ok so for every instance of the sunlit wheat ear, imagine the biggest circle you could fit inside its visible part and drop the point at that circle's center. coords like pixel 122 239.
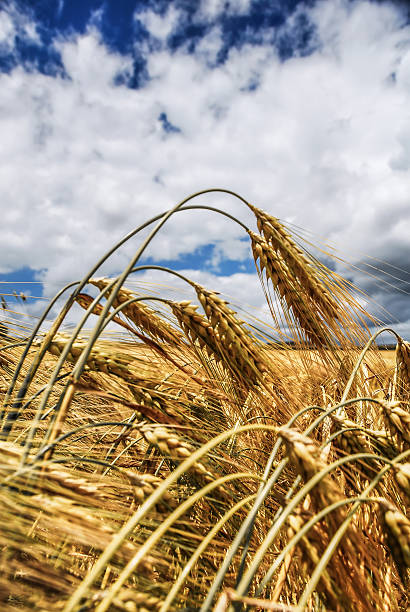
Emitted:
pixel 221 334
pixel 196 327
pixel 85 301
pixel 171 445
pixel 312 279
pixel 397 529
pixel 291 294
pixel 403 370
pixel 145 484
pixel 233 335
pixel 328 294
pixel 402 477
pixel 298 263
pixel 305 455
pixel 397 421
pixel 313 553
pixel 98 360
pixel 384 444
pixel 351 439
pixel 139 313
pixel 61 477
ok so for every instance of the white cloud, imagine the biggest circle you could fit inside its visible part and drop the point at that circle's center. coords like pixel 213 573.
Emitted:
pixel 13 23
pixel 30 32
pixel 319 140
pixel 90 65
pixel 210 9
pixel 7 31
pixel 159 26
pixel 210 46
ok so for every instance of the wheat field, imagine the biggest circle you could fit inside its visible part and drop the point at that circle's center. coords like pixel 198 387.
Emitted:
pixel 192 461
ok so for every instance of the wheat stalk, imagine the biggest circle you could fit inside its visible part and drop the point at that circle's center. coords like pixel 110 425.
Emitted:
pixel 139 313
pixel 402 477
pixel 291 292
pixel 236 341
pixel 298 263
pixel 98 359
pixel 397 529
pixel 402 390
pixel 397 420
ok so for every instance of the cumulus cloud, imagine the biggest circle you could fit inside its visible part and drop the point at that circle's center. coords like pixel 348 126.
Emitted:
pixel 159 26
pixel 210 9
pixel 319 140
pixel 7 31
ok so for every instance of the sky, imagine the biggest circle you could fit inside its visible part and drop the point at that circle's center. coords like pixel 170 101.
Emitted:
pixel 113 111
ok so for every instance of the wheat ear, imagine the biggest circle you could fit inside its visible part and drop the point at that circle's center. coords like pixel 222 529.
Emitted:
pixel 171 445
pixel 296 523
pixel 402 390
pixel 397 529
pixel 289 290
pixel 139 313
pixel 98 360
pixel 145 484
pixel 305 455
pixel 397 420
pixel 298 263
pixel 351 438
pixel 236 341
pixel 402 477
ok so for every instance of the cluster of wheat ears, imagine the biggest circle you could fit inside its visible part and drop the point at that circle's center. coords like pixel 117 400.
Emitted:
pixel 196 465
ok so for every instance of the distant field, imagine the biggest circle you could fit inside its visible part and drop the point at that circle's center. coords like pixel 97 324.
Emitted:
pixel 389 357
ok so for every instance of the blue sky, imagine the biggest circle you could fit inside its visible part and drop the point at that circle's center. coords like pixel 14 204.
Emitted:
pixel 113 111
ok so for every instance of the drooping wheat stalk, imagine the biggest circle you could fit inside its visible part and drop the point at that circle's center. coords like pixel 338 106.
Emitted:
pixel 402 390
pixel 300 266
pixel 402 477
pixel 305 455
pixel 123 486
pixel 290 291
pixel 397 529
pixel 397 420
pixel 239 347
pixel 312 296
pixel 139 313
pixel 312 547
pixel 98 360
